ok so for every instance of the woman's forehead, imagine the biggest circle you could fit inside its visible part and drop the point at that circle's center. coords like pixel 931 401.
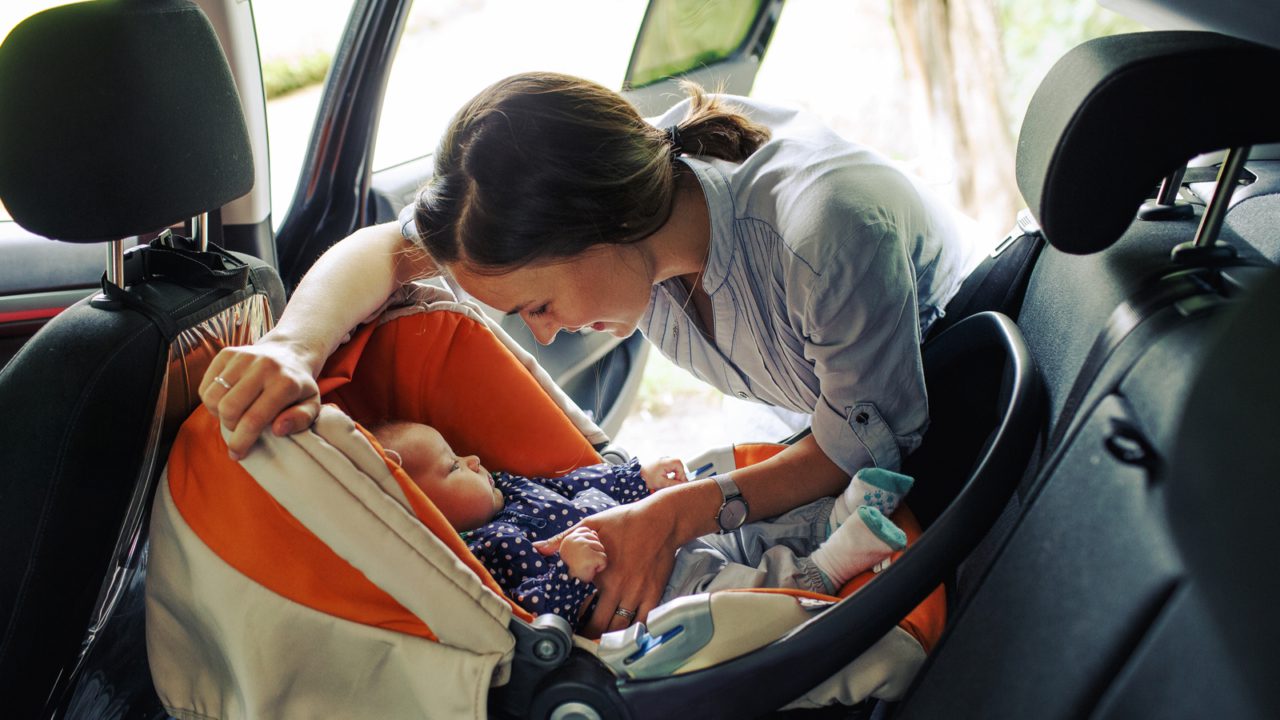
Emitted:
pixel 518 289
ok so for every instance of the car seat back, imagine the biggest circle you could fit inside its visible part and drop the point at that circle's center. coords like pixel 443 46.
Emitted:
pixel 1084 604
pixel 117 119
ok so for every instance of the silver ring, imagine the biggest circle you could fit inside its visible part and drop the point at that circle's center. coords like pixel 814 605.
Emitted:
pixel 222 381
pixel 626 614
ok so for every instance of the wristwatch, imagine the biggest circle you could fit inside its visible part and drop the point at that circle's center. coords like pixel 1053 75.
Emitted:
pixel 733 511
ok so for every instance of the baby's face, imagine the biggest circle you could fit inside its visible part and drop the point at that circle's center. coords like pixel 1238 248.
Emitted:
pixel 459 486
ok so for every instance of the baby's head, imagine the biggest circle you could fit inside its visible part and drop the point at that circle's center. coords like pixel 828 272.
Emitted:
pixel 459 486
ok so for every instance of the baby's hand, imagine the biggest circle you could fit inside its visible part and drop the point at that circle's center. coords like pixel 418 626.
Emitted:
pixel 583 553
pixel 663 473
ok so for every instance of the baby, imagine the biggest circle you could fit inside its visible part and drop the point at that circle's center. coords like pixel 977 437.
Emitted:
pixel 815 547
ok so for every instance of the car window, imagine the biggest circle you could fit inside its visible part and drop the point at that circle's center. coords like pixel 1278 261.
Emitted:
pixel 296 40
pixel 680 35
pixel 451 50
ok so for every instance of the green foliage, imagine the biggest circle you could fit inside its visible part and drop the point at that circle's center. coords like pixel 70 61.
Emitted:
pixel 1036 34
pixel 283 76
pixel 681 35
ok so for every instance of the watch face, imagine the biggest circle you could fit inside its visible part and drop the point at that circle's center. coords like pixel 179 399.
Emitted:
pixel 733 514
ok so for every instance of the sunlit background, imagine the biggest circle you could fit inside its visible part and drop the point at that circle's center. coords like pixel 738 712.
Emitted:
pixel 840 59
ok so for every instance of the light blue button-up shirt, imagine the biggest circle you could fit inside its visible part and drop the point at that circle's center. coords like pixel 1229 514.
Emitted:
pixel 825 263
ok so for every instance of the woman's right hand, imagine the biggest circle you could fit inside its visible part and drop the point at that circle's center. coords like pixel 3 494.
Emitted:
pixel 272 383
pixel 251 387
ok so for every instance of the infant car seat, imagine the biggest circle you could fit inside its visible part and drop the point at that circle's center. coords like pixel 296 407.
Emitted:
pixel 315 579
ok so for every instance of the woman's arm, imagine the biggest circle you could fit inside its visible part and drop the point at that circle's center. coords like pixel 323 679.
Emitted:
pixel 641 538
pixel 273 381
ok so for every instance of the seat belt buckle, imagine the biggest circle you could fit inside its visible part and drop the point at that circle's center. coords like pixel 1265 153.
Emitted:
pixel 1024 225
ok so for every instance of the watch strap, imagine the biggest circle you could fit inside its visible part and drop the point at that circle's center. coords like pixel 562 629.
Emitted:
pixel 728 488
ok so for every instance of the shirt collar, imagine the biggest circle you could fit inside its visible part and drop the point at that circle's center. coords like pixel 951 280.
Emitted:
pixel 721 213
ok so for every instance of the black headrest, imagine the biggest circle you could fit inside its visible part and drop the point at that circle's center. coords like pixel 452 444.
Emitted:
pixel 1118 113
pixel 118 117
pixel 1223 494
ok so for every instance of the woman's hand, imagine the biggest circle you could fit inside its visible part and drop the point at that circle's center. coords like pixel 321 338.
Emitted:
pixel 663 473
pixel 641 540
pixel 582 551
pixel 251 387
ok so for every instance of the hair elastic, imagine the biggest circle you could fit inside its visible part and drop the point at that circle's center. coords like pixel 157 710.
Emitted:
pixel 673 137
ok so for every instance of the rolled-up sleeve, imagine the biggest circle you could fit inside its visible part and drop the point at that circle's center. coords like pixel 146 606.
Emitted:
pixel 861 332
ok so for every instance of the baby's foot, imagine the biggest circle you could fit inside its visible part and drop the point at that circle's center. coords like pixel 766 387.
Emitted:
pixel 880 488
pixel 857 545
pixel 876 487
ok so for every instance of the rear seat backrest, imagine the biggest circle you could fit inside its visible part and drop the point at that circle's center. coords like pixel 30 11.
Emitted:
pixel 117 118
pixel 1088 607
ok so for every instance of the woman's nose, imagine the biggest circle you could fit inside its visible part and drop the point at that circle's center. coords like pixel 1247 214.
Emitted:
pixel 544 331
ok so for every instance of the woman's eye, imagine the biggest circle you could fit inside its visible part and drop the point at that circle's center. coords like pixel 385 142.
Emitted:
pixel 539 311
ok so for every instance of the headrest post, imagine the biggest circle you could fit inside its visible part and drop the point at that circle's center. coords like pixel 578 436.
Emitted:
pixel 1224 188
pixel 1167 206
pixel 1169 187
pixel 200 231
pixel 115 263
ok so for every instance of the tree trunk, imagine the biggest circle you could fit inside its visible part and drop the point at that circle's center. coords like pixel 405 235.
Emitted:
pixel 955 71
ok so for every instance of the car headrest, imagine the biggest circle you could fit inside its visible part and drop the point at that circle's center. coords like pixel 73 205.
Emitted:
pixel 1118 113
pixel 118 117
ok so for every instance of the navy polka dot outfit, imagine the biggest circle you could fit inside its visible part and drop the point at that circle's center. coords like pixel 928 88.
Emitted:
pixel 537 509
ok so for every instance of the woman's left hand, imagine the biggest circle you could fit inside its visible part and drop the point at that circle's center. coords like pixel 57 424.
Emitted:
pixel 640 539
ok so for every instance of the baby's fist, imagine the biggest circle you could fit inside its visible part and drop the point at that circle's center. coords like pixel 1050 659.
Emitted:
pixel 583 553
pixel 663 473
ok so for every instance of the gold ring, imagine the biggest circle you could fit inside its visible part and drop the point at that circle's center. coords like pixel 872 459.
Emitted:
pixel 222 381
pixel 626 614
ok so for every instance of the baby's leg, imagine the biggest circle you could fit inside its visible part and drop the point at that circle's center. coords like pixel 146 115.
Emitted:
pixel 858 544
pixel 767 553
pixel 876 487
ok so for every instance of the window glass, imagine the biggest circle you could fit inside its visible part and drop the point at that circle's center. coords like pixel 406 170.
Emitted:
pixel 453 49
pixel 296 41
pixel 680 35
pixel 844 61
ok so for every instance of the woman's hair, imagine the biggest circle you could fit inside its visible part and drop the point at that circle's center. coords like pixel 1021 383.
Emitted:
pixel 541 166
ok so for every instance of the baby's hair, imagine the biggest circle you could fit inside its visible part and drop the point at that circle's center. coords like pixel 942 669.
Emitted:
pixel 542 166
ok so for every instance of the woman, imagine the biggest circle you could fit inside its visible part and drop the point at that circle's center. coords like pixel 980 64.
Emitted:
pixel 754 247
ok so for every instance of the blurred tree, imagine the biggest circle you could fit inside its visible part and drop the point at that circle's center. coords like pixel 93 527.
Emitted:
pixel 971 67
pixel 954 62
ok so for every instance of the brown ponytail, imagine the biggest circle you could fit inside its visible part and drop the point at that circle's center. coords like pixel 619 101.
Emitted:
pixel 713 128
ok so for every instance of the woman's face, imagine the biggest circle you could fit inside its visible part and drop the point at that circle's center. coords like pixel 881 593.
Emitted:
pixel 605 288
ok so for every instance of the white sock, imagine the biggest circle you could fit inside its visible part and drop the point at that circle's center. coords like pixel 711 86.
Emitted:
pixel 879 488
pixel 857 545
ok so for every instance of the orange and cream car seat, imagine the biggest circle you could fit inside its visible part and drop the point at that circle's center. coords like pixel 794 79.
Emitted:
pixel 314 579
